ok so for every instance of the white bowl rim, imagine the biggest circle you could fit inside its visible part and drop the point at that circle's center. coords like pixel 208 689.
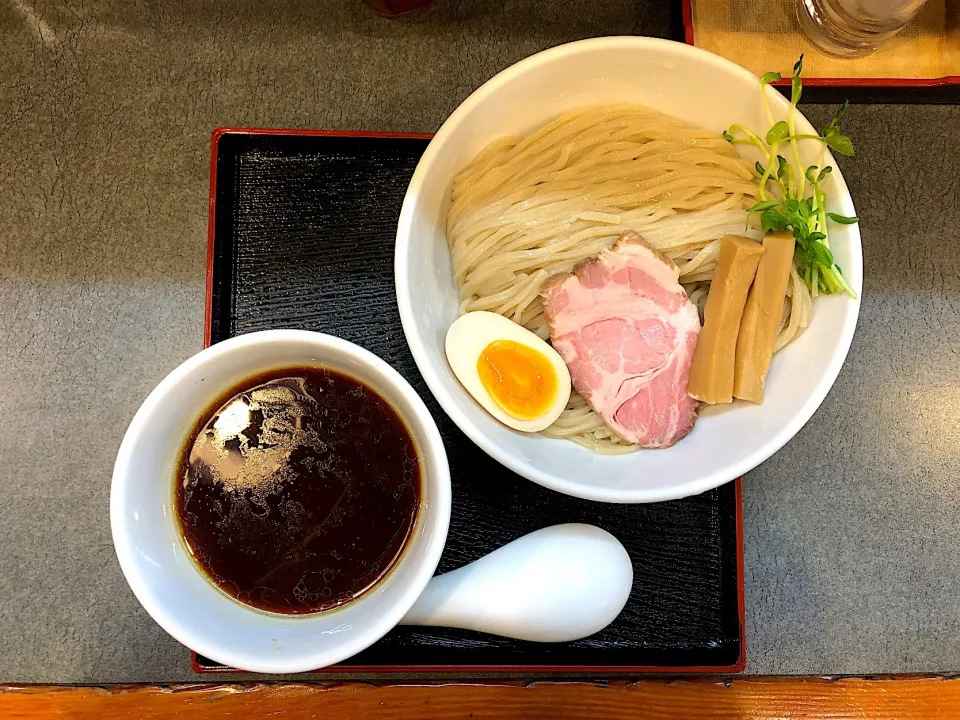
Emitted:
pixel 130 565
pixel 712 479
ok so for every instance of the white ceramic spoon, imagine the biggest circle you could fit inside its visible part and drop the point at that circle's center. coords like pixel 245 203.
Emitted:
pixel 557 584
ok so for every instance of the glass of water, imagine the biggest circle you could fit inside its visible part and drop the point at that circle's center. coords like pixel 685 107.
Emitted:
pixel 850 28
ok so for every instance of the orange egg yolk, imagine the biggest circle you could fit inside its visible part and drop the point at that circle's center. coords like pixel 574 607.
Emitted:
pixel 521 380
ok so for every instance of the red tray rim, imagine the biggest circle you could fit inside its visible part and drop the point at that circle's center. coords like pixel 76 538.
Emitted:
pixel 347 669
pixel 945 81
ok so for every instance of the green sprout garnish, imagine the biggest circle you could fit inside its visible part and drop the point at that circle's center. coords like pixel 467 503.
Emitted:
pixel 794 199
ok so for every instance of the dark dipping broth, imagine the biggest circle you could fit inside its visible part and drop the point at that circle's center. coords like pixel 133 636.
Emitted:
pixel 298 489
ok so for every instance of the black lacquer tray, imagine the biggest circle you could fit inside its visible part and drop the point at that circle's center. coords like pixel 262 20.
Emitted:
pixel 302 228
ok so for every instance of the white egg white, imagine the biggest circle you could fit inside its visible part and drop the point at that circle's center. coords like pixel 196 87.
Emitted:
pixel 466 340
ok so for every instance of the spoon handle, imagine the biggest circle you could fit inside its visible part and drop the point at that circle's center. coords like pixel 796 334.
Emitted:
pixel 557 584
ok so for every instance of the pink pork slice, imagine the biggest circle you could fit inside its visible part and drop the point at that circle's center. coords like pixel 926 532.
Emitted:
pixel 626 330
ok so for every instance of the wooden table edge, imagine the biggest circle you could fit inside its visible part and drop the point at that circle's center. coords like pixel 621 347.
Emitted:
pixel 744 698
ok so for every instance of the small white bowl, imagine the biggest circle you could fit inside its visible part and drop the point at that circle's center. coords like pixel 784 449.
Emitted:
pixel 700 89
pixel 154 557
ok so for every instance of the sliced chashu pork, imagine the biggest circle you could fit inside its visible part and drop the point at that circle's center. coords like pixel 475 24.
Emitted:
pixel 627 330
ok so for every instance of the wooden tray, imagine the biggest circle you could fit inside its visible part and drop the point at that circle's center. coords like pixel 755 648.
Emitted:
pixel 925 55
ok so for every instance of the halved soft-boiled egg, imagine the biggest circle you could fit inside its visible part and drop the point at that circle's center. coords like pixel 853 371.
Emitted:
pixel 512 373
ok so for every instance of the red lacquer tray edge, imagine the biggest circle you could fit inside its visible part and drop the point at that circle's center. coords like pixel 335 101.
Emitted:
pixel 737 667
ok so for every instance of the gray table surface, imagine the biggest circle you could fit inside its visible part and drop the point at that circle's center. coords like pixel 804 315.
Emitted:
pixel 106 108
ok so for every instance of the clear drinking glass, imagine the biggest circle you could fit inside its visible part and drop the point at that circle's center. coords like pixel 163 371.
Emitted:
pixel 850 28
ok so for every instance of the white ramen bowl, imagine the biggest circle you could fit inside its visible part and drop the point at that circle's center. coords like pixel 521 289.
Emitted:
pixel 698 88
pixel 154 557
